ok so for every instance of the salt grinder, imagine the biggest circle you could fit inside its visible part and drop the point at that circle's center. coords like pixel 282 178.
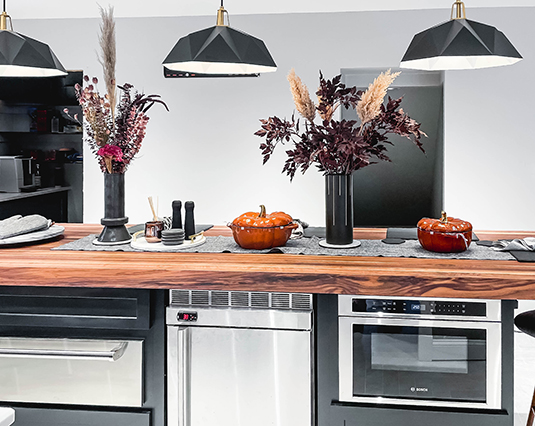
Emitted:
pixel 177 215
pixel 189 227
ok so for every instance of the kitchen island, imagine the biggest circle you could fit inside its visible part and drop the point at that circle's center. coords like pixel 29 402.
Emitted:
pixel 38 265
pixel 121 296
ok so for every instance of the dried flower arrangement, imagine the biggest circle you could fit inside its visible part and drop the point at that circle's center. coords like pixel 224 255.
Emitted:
pixel 338 147
pixel 113 132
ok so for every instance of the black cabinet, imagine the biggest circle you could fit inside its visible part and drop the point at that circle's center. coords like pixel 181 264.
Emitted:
pixel 51 203
pixel 57 417
pixel 82 315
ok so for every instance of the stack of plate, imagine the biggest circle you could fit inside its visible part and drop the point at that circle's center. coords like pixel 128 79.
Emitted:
pixel 172 237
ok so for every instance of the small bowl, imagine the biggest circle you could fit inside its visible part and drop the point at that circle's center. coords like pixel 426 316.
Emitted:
pixel 258 238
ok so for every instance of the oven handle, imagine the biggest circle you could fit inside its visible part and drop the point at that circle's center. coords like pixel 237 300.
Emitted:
pixel 112 355
pixel 179 375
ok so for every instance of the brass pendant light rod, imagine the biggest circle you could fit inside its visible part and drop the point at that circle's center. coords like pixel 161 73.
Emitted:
pixel 221 17
pixel 457 10
pixel 3 19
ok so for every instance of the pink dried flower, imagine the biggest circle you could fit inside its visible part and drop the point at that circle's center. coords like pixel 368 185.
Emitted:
pixel 111 151
pixel 95 80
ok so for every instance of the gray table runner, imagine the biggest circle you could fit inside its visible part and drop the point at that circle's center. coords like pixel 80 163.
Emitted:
pixel 310 246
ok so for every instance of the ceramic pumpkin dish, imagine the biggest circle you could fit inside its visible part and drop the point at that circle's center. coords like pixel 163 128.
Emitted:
pixel 253 230
pixel 444 235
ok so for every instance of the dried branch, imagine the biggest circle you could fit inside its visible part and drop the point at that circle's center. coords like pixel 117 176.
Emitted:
pixel 302 100
pixel 341 147
pixel 108 56
pixel 370 103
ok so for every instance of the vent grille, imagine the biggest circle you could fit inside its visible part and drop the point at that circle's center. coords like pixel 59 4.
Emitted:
pixel 280 300
pixel 200 297
pixel 301 301
pixel 180 297
pixel 260 300
pixel 220 298
pixel 241 299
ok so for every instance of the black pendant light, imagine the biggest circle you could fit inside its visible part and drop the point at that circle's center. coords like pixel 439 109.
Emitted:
pixel 22 56
pixel 459 44
pixel 219 51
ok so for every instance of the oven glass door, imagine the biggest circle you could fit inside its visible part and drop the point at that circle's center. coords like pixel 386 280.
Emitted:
pixel 411 361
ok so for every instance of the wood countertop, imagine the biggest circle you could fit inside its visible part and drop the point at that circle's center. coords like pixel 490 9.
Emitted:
pixel 37 265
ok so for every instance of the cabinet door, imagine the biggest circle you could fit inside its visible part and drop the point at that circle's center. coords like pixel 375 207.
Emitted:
pixel 69 371
pixel 75 308
pixel 55 417
pixel 239 377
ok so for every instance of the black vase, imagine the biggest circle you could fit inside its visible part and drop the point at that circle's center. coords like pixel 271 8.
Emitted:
pixel 114 220
pixel 339 212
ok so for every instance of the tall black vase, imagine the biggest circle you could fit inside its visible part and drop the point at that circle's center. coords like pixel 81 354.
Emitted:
pixel 114 220
pixel 339 212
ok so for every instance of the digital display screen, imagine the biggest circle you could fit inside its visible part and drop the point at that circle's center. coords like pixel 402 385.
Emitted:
pixel 418 307
pixel 187 316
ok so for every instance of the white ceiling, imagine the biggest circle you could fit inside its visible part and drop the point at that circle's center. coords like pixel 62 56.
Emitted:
pixel 35 9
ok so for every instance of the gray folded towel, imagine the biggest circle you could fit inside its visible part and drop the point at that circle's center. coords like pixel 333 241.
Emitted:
pixel 18 225
pixel 526 244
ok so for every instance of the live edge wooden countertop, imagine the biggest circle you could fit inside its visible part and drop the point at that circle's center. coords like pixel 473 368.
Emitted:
pixel 37 265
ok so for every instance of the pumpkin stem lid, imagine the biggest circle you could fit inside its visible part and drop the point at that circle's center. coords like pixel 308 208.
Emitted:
pixel 444 218
pixel 262 211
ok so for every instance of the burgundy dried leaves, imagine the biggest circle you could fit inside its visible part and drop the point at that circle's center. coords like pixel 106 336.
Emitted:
pixel 339 147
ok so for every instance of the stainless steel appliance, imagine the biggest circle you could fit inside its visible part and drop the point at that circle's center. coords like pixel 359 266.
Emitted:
pixel 427 352
pixel 16 174
pixel 71 371
pixel 239 358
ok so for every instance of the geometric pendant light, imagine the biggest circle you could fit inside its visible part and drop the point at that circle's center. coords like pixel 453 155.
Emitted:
pixel 219 51
pixel 22 56
pixel 459 44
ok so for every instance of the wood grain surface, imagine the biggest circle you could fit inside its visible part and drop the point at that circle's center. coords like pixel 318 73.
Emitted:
pixel 37 265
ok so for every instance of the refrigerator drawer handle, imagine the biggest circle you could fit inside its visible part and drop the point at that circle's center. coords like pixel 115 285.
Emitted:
pixel 111 355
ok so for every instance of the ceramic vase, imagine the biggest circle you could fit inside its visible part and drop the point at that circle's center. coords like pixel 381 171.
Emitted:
pixel 114 219
pixel 339 212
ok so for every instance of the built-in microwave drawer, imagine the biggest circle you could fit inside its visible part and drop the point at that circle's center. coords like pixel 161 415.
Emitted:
pixel 71 371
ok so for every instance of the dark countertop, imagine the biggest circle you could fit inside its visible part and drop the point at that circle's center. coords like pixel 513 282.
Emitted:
pixel 10 196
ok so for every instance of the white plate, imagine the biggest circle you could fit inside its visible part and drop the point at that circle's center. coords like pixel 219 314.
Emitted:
pixel 33 237
pixel 141 244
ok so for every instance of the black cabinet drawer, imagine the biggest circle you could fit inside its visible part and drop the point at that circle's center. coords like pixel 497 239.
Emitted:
pixel 75 307
pixel 58 417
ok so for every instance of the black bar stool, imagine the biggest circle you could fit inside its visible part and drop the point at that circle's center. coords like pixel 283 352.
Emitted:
pixel 526 323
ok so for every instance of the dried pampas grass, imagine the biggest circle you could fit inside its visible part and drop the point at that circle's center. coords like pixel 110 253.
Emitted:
pixel 370 103
pixel 302 100
pixel 108 56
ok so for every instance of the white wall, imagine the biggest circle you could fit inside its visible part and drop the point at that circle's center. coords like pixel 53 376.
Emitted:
pixel 204 149
pixel 39 9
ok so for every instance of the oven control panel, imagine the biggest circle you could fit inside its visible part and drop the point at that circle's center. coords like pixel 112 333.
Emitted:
pixel 419 307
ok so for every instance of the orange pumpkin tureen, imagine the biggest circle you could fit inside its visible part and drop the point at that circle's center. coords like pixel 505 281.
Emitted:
pixel 253 230
pixel 444 235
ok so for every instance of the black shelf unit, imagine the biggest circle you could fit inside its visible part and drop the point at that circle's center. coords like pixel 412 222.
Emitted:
pixel 27 107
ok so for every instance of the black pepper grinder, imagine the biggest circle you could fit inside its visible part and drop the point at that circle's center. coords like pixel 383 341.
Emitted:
pixel 177 214
pixel 189 227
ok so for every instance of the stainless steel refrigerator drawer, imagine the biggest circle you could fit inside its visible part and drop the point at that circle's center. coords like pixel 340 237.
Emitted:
pixel 71 371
